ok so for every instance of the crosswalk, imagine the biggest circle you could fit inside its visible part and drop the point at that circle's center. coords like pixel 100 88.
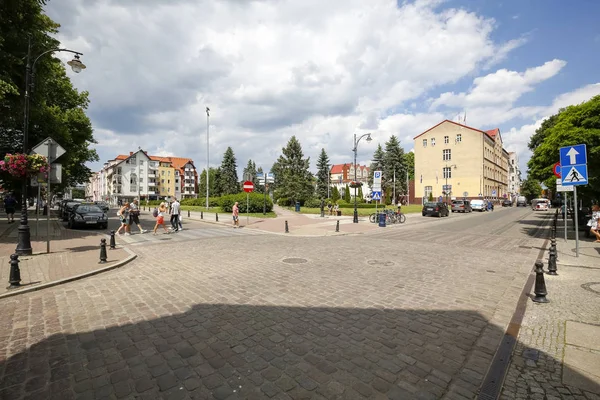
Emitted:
pixel 137 239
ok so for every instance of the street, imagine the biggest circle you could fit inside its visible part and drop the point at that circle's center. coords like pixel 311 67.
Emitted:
pixel 413 311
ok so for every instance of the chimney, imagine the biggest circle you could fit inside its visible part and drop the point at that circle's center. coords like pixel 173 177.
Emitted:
pixel 131 153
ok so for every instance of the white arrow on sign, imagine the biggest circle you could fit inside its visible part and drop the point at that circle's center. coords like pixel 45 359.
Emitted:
pixel 572 153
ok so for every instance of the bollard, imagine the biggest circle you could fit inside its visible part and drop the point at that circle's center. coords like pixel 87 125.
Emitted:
pixel 217 216
pixel 188 213
pixel 15 273
pixel 103 256
pixel 113 245
pixel 286 227
pixel 540 283
pixel 337 226
pixel 201 214
pixel 553 246
pixel 552 261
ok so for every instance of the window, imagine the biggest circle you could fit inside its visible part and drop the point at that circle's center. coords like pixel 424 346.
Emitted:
pixel 432 141
pixel 446 139
pixel 446 155
pixel 162 173
pixel 428 191
pixel 162 181
pixel 141 162
pixel 447 172
pixel 458 138
pixel 141 180
pixel 424 142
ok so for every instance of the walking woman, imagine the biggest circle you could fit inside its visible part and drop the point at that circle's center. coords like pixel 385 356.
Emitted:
pixel 123 214
pixel 160 218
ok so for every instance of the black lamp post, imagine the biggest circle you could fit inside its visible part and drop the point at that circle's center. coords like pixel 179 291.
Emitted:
pixel 355 149
pixel 24 238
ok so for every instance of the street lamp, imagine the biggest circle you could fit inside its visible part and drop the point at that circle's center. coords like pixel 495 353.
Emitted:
pixel 24 235
pixel 447 172
pixel 355 149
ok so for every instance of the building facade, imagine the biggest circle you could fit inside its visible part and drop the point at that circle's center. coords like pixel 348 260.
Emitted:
pixel 514 175
pixel 457 161
pixel 342 174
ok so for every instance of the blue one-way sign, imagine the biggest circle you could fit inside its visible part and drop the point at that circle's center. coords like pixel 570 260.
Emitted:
pixel 573 165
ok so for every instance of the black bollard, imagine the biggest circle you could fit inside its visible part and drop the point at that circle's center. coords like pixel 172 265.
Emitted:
pixel 337 226
pixel 201 214
pixel 188 213
pixel 552 261
pixel 540 283
pixel 15 273
pixel 217 217
pixel 113 245
pixel 286 227
pixel 553 246
pixel 103 256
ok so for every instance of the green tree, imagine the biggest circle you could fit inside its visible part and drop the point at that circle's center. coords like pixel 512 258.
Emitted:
pixel 572 125
pixel 77 193
pixel 228 178
pixel 249 174
pixel 377 164
pixel 531 188
pixel 57 110
pixel 213 183
pixel 360 194
pixel 323 177
pixel 347 193
pixel 409 163
pixel 335 194
pixel 295 179
pixel 393 165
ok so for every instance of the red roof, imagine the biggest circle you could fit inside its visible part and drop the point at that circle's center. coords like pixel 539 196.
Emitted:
pixel 464 126
pixel 177 162
pixel 493 132
pixel 339 168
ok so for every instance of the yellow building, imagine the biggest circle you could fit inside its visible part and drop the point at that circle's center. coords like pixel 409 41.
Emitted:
pixel 166 179
pixel 465 161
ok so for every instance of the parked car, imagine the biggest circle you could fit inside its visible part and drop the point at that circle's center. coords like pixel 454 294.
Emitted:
pixel 521 201
pixel 540 206
pixel 507 203
pixel 478 205
pixel 435 210
pixel 103 205
pixel 88 215
pixel 67 207
pixel 461 206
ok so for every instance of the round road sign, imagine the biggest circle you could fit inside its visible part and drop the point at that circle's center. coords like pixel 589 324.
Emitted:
pixel 248 186
pixel 465 194
pixel 556 170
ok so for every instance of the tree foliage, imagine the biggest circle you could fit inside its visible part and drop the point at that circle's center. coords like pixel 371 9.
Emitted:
pixel 228 178
pixel 347 193
pixel 213 183
pixel 531 188
pixel 57 110
pixel 293 178
pixel 323 176
pixel 335 194
pixel 409 163
pixel 393 165
pixel 377 164
pixel 575 124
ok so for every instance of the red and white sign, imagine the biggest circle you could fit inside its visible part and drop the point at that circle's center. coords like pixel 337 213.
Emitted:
pixel 556 170
pixel 248 186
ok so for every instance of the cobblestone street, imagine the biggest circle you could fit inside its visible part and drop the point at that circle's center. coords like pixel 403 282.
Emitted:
pixel 407 313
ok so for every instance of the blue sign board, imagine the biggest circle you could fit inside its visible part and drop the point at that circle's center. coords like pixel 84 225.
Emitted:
pixel 376 195
pixel 573 165
pixel 377 174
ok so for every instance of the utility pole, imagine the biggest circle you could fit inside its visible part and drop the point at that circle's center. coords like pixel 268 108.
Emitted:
pixel 207 151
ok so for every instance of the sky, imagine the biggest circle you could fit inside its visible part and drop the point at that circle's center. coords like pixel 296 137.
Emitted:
pixel 323 71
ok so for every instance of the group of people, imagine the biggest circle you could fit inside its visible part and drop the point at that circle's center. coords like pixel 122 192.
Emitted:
pixel 129 214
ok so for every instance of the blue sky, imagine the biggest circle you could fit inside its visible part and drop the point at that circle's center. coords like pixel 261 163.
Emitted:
pixel 323 71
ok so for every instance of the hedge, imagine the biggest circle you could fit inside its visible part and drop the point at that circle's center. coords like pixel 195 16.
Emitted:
pixel 256 202
pixel 201 202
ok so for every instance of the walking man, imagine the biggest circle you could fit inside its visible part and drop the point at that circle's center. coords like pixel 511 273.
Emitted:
pixel 175 215
pixel 236 215
pixel 9 207
pixel 134 216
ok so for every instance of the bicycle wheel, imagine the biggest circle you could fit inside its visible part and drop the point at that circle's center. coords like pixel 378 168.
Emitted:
pixel 402 218
pixel 373 218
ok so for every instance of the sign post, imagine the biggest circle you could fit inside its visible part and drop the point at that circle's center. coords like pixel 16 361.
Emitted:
pixel 573 172
pixel 376 189
pixel 248 188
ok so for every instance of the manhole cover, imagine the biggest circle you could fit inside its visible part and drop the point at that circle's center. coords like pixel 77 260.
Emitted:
pixel 593 287
pixel 295 260
pixel 382 263
pixel 490 271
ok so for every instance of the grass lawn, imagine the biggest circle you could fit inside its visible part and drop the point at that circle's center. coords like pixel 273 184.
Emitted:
pixel 220 211
pixel 363 212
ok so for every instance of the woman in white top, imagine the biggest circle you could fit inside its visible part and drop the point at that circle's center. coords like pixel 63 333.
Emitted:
pixel 594 221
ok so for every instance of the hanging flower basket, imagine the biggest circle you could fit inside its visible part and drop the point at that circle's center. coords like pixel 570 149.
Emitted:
pixel 24 165
pixel 355 184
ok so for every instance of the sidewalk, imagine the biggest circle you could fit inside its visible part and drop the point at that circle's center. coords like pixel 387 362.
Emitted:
pixel 558 350
pixel 73 255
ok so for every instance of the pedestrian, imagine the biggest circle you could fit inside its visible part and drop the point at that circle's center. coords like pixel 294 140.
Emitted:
pixel 9 207
pixel 236 215
pixel 329 207
pixel 175 215
pixel 160 217
pixel 134 216
pixel 593 223
pixel 123 215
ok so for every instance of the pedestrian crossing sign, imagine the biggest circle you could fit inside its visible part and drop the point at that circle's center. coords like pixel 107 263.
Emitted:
pixel 574 175
pixel 376 195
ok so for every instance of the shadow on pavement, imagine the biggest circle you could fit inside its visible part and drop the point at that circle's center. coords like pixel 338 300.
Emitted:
pixel 244 352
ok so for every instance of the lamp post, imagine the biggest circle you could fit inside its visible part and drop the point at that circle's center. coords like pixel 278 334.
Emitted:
pixel 24 235
pixel 328 182
pixel 207 151
pixel 447 172
pixel 355 149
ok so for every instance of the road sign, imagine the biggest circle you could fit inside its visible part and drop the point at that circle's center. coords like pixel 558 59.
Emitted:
pixel 446 187
pixel 376 195
pixel 465 194
pixel 49 149
pixel 248 186
pixel 556 170
pixel 574 175
pixel 573 155
pixel 377 181
pixel 561 188
pixel 493 192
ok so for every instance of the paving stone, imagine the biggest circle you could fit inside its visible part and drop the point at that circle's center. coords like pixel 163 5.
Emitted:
pixel 144 384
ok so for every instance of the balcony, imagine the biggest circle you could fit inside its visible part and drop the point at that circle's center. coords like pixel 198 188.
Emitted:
pixel 151 174
pixel 191 185
pixel 189 170
pixel 151 184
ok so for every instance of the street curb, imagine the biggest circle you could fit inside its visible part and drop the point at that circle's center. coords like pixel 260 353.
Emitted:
pixel 132 256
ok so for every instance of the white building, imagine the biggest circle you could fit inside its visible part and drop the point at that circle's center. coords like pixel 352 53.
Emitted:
pixel 514 175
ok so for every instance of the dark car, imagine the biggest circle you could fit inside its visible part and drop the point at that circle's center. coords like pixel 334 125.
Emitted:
pixel 88 215
pixel 103 205
pixel 507 203
pixel 461 206
pixel 67 208
pixel 435 210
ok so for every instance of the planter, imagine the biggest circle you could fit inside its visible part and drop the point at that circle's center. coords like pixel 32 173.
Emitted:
pixel 24 165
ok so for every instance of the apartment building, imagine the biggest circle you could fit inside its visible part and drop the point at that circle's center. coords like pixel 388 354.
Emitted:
pixel 514 175
pixel 453 160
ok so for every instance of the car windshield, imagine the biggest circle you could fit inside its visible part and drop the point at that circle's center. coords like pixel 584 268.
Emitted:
pixel 88 209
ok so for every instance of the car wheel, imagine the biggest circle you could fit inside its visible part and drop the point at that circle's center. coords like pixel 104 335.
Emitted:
pixel 423 214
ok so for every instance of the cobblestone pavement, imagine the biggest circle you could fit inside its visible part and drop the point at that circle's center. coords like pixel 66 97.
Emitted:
pixel 255 317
